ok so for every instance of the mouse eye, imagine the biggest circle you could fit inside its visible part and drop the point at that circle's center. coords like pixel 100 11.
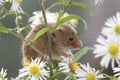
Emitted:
pixel 70 38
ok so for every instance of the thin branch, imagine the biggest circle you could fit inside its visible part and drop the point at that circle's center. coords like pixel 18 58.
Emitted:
pixel 21 38
pixel 43 11
pixel 62 13
pixel 48 35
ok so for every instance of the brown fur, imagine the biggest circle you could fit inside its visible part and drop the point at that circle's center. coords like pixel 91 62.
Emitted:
pixel 59 40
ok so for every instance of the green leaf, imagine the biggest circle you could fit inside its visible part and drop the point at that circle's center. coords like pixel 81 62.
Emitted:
pixel 64 20
pixel 10 12
pixel 39 33
pixel 59 74
pixel 14 12
pixel 114 79
pixel 3 29
pixel 85 23
pixel 1 11
pixel 80 53
pixel 83 5
pixel 111 77
pixel 27 27
pixel 68 18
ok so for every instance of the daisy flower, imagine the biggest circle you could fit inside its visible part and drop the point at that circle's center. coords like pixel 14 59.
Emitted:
pixel 116 70
pixel 3 74
pixel 86 72
pixel 108 49
pixel 67 65
pixel 51 18
pixel 98 1
pixel 34 71
pixel 16 6
pixel 112 26
pixel 38 18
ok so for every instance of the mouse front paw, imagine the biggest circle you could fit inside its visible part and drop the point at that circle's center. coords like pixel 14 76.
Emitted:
pixel 69 54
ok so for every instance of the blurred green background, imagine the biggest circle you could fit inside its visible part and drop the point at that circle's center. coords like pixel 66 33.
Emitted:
pixel 10 46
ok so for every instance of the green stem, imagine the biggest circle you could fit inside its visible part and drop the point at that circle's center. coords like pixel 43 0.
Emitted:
pixel 21 38
pixel 48 35
pixel 19 33
pixel 13 33
pixel 3 17
pixel 63 11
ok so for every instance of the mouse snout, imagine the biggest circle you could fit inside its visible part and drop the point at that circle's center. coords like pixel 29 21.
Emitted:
pixel 77 44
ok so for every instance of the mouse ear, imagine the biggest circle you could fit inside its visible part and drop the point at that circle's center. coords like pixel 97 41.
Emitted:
pixel 57 32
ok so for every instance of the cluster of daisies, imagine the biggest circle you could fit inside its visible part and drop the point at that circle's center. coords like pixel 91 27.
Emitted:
pixel 38 70
pixel 51 17
pixel 108 46
pixel 15 5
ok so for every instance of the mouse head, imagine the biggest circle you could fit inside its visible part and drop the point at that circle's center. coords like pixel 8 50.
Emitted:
pixel 66 37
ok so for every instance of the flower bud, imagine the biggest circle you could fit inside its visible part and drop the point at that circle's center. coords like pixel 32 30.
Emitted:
pixel 18 20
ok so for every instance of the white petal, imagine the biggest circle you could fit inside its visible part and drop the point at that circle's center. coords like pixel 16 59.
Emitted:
pixel 116 69
pixel 117 74
pixel 113 63
pixel 23 74
pixel 118 16
pixel 105 61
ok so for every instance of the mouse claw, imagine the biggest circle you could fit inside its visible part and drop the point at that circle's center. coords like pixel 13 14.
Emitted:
pixel 71 56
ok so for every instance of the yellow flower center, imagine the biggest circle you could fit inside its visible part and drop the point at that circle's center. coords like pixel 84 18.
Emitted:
pixel 34 69
pixel 113 49
pixel 90 76
pixel 117 29
pixel 26 62
pixel 18 1
pixel 74 22
pixel 73 66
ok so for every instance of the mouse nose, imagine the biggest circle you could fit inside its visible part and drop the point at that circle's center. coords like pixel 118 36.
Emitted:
pixel 77 44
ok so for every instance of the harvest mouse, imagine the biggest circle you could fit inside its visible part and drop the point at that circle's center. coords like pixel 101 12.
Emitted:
pixel 63 40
